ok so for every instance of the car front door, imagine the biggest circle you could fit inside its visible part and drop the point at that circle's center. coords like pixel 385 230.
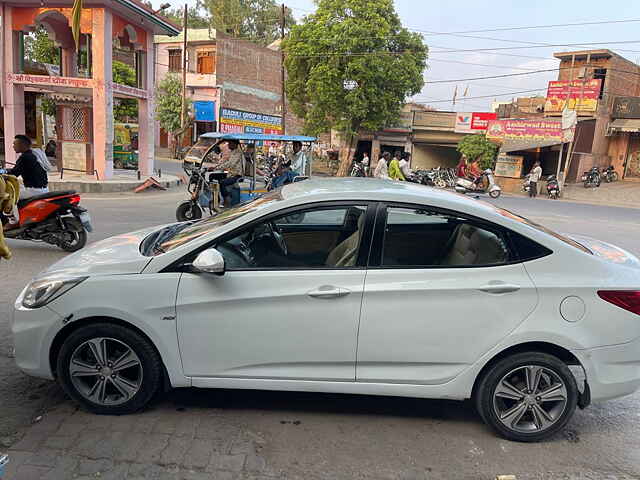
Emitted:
pixel 442 289
pixel 288 304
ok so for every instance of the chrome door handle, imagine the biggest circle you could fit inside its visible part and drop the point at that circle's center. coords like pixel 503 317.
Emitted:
pixel 499 288
pixel 328 292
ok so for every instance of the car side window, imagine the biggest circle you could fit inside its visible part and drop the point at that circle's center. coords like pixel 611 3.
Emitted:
pixel 316 238
pixel 427 238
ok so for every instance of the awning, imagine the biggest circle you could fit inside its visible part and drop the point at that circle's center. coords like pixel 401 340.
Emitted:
pixel 514 145
pixel 625 125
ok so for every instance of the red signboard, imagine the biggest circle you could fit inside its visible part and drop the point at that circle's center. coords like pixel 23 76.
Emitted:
pixel 480 120
pixel 579 95
pixel 525 129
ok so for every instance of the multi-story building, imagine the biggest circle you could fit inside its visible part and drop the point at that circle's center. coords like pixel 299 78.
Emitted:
pixel 235 85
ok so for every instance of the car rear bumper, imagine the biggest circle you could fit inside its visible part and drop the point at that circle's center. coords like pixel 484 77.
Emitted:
pixel 612 371
pixel 32 335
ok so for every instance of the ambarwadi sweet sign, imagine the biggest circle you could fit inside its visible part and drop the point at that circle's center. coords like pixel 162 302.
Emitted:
pixel 581 95
pixel 473 122
pixel 525 129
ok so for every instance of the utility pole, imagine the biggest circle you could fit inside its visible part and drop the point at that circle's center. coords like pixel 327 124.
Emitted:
pixel 577 106
pixel 282 72
pixel 183 112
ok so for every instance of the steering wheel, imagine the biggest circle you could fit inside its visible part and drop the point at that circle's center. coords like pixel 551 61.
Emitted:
pixel 278 238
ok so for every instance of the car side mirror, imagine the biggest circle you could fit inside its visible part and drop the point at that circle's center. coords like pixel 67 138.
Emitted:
pixel 209 261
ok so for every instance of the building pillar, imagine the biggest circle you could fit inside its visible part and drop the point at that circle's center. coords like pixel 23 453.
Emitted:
pixel 13 95
pixel 69 62
pixel 102 93
pixel 375 151
pixel 146 117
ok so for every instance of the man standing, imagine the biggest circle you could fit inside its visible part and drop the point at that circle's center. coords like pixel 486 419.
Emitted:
pixel 382 169
pixel 34 176
pixel 365 163
pixel 534 178
pixel 405 166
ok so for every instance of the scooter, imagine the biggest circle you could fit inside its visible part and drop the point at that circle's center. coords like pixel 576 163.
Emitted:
pixel 55 218
pixel 610 175
pixel 464 185
pixel 357 170
pixel 526 185
pixel 553 187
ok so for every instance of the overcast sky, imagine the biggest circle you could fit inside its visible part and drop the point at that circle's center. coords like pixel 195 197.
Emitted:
pixel 429 16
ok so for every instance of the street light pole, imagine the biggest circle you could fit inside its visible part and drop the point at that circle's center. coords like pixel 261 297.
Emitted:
pixel 183 111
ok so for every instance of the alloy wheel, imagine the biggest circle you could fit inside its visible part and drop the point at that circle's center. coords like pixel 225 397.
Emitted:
pixel 530 399
pixel 106 371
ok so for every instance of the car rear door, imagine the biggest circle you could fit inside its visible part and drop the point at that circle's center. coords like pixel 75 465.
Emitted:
pixel 293 317
pixel 433 306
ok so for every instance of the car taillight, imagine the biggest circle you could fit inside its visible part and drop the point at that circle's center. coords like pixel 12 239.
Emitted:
pixel 74 200
pixel 627 299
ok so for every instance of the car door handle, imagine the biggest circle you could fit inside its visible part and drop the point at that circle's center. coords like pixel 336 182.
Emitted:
pixel 496 288
pixel 328 292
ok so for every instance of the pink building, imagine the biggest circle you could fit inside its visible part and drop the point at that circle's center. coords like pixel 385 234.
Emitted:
pixel 85 125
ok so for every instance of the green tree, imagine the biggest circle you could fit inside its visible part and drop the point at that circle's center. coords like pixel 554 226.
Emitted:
pixel 38 47
pixel 351 65
pixel 169 106
pixel 195 17
pixel 478 147
pixel 124 108
pixel 255 20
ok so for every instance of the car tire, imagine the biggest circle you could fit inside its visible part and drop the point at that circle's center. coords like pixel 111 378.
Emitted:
pixel 111 390
pixel 534 418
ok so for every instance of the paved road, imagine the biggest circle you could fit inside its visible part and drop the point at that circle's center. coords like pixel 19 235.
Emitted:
pixel 244 434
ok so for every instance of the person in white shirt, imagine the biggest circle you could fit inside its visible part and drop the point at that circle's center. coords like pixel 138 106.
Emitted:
pixel 365 164
pixel 534 178
pixel 382 169
pixel 405 167
pixel 299 159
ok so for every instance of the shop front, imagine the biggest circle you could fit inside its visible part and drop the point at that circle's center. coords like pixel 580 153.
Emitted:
pixel 624 141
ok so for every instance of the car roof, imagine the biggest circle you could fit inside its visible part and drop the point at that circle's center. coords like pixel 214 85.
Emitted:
pixel 372 189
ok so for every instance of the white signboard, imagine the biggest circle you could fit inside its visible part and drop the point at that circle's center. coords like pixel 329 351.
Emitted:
pixel 463 122
pixel 74 155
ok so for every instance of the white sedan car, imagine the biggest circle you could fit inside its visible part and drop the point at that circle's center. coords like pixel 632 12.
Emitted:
pixel 344 285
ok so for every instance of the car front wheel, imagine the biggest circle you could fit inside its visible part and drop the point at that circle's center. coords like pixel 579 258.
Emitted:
pixel 109 369
pixel 527 397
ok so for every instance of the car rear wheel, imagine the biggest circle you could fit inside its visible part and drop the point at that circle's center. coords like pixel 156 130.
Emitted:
pixel 527 397
pixel 109 369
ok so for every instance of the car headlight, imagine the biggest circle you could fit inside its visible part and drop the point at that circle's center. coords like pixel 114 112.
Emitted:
pixel 42 291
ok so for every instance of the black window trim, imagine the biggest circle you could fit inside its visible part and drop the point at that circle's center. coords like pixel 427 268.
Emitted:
pixel 183 264
pixel 377 244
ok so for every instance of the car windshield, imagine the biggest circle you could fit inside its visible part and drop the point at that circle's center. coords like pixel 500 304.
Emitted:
pixel 541 228
pixel 178 234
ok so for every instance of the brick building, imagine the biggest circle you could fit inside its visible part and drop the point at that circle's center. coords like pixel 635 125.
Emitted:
pixel 236 85
pixel 595 145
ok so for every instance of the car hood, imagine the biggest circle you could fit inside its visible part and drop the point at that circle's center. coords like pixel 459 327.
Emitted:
pixel 607 251
pixel 115 255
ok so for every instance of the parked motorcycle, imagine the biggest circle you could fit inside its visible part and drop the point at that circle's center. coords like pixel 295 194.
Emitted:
pixel 202 191
pixel 591 178
pixel 464 185
pixel 55 218
pixel 526 185
pixel 610 175
pixel 357 170
pixel 553 187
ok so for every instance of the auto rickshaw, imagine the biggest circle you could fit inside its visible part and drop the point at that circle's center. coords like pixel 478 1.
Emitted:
pixel 203 183
pixel 125 146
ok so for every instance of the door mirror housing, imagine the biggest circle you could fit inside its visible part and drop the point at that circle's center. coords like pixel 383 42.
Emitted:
pixel 209 261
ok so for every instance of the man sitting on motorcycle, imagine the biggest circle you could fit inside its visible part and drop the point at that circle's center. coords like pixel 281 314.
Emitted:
pixel 294 166
pixel 474 173
pixel 34 176
pixel 232 161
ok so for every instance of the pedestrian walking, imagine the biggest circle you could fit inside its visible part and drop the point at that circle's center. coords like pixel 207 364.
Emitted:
pixel 405 164
pixel 534 178
pixel 395 173
pixel 365 164
pixel 382 169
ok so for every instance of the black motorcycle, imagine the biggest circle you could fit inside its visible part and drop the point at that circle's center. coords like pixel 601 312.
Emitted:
pixel 592 178
pixel 357 170
pixel 553 187
pixel 610 175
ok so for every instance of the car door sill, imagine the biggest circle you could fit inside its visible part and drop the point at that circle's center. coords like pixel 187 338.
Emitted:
pixel 350 387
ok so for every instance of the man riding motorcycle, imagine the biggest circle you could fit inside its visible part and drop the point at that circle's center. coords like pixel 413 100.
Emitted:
pixel 33 174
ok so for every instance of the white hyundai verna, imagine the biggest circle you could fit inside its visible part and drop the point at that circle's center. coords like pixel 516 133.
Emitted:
pixel 344 285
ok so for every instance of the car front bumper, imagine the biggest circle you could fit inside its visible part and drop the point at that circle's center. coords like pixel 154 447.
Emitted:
pixel 33 332
pixel 612 371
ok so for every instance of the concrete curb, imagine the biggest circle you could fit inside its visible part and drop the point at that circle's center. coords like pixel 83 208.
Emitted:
pixel 109 186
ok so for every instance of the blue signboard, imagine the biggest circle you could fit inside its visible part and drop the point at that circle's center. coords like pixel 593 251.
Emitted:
pixel 205 111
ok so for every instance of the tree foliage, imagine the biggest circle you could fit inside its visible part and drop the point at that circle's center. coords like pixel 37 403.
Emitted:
pixel 195 17
pixel 478 147
pixel 38 47
pixel 255 20
pixel 124 108
pixel 169 106
pixel 351 65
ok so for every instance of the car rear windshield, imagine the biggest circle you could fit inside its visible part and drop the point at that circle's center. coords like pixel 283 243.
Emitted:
pixel 541 228
pixel 179 234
